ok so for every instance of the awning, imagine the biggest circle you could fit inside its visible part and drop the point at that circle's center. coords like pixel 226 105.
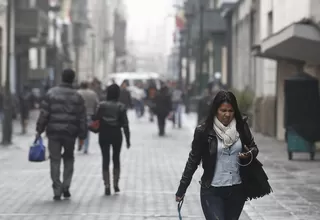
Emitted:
pixel 300 42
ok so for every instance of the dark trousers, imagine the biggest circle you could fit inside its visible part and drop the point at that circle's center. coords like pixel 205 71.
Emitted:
pixel 161 124
pixel 55 146
pixel 113 139
pixel 222 203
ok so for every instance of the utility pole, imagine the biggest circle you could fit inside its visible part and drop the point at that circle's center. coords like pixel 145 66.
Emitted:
pixel 55 9
pixel 77 43
pixel 7 120
pixel 77 59
pixel 93 54
pixel 188 69
pixel 200 74
pixel 181 41
pixel 55 50
pixel 105 40
pixel 105 56
pixel 189 15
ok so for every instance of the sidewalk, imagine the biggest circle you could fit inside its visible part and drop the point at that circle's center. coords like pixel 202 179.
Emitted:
pixel 151 171
pixel 19 140
pixel 149 179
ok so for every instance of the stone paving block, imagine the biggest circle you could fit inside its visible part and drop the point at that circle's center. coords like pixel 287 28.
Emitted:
pixel 150 175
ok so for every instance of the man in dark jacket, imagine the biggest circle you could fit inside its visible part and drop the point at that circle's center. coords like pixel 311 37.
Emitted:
pixel 125 96
pixel 63 116
pixel 162 108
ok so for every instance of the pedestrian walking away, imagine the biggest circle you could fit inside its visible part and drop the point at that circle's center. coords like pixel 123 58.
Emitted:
pixel 91 101
pixel 112 116
pixel 219 143
pixel 63 117
pixel 162 108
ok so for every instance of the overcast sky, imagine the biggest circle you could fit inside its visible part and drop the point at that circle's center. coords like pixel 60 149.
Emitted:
pixel 144 15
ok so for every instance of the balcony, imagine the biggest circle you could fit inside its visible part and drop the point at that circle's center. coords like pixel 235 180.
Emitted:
pixel 31 22
pixel 226 3
pixel 299 41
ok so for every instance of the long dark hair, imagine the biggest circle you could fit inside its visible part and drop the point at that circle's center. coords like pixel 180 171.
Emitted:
pixel 220 98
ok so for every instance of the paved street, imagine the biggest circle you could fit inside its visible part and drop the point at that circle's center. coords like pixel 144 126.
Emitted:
pixel 150 174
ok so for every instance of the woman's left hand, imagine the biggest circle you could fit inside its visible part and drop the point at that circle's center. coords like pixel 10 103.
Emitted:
pixel 244 156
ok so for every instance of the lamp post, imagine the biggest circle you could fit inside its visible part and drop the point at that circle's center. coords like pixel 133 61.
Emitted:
pixel 7 120
pixel 182 45
pixel 201 48
pixel 189 12
pixel 55 9
pixel 93 61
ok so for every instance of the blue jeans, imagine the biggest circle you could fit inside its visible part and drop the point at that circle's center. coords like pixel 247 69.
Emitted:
pixel 139 107
pixel 222 203
pixel 86 141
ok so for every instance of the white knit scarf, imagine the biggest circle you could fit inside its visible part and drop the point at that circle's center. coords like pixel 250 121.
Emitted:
pixel 228 134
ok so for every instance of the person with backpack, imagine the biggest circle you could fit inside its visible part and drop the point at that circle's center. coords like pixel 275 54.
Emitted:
pixel 112 117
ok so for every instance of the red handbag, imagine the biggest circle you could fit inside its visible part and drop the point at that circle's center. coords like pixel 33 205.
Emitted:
pixel 94 126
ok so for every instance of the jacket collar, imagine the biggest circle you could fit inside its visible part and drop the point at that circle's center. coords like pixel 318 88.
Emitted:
pixel 67 85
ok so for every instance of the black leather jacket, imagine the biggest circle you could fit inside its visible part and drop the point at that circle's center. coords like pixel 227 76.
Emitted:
pixel 204 148
pixel 113 114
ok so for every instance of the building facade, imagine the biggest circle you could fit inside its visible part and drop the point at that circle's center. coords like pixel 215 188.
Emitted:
pixel 105 39
pixel 273 40
pixel 249 72
pixel 292 38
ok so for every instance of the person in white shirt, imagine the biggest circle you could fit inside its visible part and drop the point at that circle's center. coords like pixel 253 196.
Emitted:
pixel 177 102
pixel 138 95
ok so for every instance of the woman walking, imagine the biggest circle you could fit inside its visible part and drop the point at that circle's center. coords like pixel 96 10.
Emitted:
pixel 219 143
pixel 112 116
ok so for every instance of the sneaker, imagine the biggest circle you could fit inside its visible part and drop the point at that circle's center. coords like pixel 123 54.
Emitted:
pixel 116 189
pixel 66 194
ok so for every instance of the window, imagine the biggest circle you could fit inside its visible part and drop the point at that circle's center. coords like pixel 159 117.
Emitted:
pixel 253 28
pixel 33 58
pixel 43 57
pixel 32 3
pixel 213 4
pixel 270 23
